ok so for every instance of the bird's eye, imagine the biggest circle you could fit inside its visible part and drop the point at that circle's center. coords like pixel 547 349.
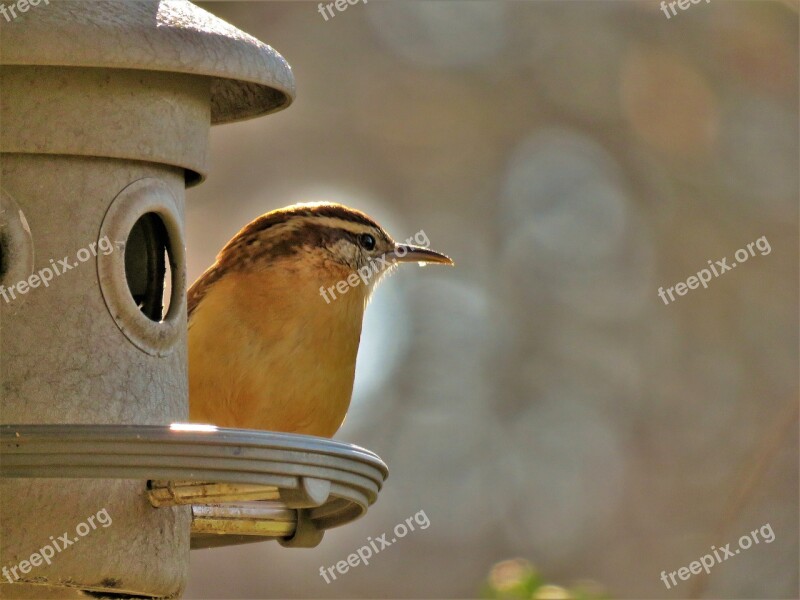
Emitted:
pixel 367 241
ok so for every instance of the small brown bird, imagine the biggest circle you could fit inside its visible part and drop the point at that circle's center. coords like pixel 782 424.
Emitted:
pixel 275 323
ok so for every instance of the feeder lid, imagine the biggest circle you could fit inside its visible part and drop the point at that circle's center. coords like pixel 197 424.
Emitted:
pixel 249 78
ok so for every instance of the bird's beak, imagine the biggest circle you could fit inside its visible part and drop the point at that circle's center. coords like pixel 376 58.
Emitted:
pixel 419 254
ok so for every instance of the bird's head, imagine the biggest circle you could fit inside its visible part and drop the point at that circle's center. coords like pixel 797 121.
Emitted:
pixel 325 242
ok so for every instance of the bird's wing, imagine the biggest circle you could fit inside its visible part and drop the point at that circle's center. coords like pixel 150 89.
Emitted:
pixel 200 287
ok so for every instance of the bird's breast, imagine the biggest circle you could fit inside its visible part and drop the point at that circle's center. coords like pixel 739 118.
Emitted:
pixel 268 352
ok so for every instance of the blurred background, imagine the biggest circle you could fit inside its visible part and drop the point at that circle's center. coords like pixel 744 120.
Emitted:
pixel 540 401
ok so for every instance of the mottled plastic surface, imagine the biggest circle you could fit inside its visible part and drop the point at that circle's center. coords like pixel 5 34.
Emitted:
pixel 94 97
pixel 248 77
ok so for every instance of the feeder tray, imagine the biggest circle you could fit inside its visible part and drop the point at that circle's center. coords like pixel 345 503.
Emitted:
pixel 243 485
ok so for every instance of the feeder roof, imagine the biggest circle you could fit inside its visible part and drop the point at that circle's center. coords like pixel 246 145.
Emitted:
pixel 249 78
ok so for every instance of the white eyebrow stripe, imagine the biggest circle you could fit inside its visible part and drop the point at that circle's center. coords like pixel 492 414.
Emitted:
pixel 334 223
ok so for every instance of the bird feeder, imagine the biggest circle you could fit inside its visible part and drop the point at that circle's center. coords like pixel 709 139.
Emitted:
pixel 105 109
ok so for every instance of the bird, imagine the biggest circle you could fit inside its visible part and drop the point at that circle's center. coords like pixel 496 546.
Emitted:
pixel 275 323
